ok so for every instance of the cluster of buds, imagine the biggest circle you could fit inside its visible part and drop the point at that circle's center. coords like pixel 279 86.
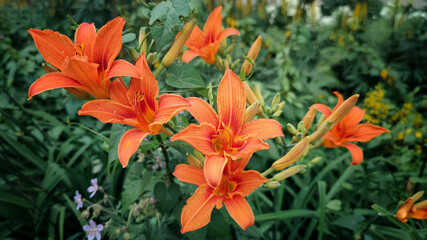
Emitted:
pixel 226 62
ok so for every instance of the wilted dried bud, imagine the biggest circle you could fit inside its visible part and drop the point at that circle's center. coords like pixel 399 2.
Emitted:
pixel 321 131
pixel 179 43
pixel 291 129
pixel 251 112
pixel 96 210
pixel 253 53
pixel 86 214
pixel 289 172
pixel 48 69
pixel 142 41
pixel 271 185
pixel 293 155
pixel 193 161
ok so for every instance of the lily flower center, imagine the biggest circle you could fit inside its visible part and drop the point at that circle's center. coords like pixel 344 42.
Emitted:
pixel 223 142
pixel 225 188
pixel 145 115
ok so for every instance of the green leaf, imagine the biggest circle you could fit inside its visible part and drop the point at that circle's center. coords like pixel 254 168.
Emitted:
pixel 128 37
pixel 162 36
pixel 334 204
pixel 350 222
pixel 166 199
pixel 135 184
pixel 286 214
pixel 183 75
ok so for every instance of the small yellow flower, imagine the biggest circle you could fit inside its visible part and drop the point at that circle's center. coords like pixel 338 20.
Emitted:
pixel 418 134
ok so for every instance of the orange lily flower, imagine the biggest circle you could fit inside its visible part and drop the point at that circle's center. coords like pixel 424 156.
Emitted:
pixel 205 44
pixel 136 106
pixel 348 130
pixel 225 136
pixel 235 185
pixel 85 66
pixel 409 210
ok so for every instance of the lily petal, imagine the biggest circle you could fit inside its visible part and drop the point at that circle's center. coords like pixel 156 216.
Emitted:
pixel 262 128
pixel 198 136
pixel 253 144
pixel 213 168
pixel 129 143
pixel 108 43
pixel 364 132
pixel 325 110
pixel 226 33
pixel 340 99
pixel 169 106
pixel 202 111
pixel 240 211
pixel 248 181
pixel 123 68
pixel 189 174
pixel 213 25
pixel 118 92
pixel 108 111
pixel 189 55
pixel 352 118
pixel 197 212
pixel 231 101
pixel 356 153
pixel 52 81
pixel 84 37
pixel 53 46
pixel 196 39
pixel 208 52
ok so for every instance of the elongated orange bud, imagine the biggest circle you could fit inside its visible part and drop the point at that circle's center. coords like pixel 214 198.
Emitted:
pixel 309 117
pixel 338 114
pixel 178 44
pixel 251 112
pixel 294 154
pixel 250 96
pixel 253 53
pixel 417 196
pixel 193 161
pixel 289 172
pixel 321 131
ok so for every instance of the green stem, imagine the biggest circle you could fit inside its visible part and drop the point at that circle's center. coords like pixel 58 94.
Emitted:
pixel 268 171
pixel 89 129
pixel 420 174
pixel 158 70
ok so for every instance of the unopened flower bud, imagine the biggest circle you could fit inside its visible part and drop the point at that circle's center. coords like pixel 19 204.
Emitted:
pixel 250 96
pixel 316 160
pixel 253 53
pixel 277 113
pixel 267 110
pixel 228 61
pixel 276 99
pixel 291 129
pixel 179 42
pixel 134 54
pixel 251 112
pixel 338 114
pixel 96 210
pixel 199 156
pixel 126 236
pixel 282 105
pixel 289 172
pixel 417 196
pixel 271 185
pixel 235 63
pixel 293 155
pixel 321 131
pixel 278 140
pixel 220 62
pixel 117 231
pixel 230 48
pixel 86 214
pixel 142 41
pixel 193 161
pixel 274 108
pixel 257 92
pixel 151 57
pixel 309 117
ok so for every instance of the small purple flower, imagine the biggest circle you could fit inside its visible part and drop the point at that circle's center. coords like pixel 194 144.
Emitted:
pixel 92 189
pixel 159 162
pixel 93 230
pixel 78 200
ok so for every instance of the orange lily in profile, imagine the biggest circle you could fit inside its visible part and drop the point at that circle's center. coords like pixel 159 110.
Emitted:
pixel 348 130
pixel 410 210
pixel 85 66
pixel 136 106
pixel 234 186
pixel 205 44
pixel 225 136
